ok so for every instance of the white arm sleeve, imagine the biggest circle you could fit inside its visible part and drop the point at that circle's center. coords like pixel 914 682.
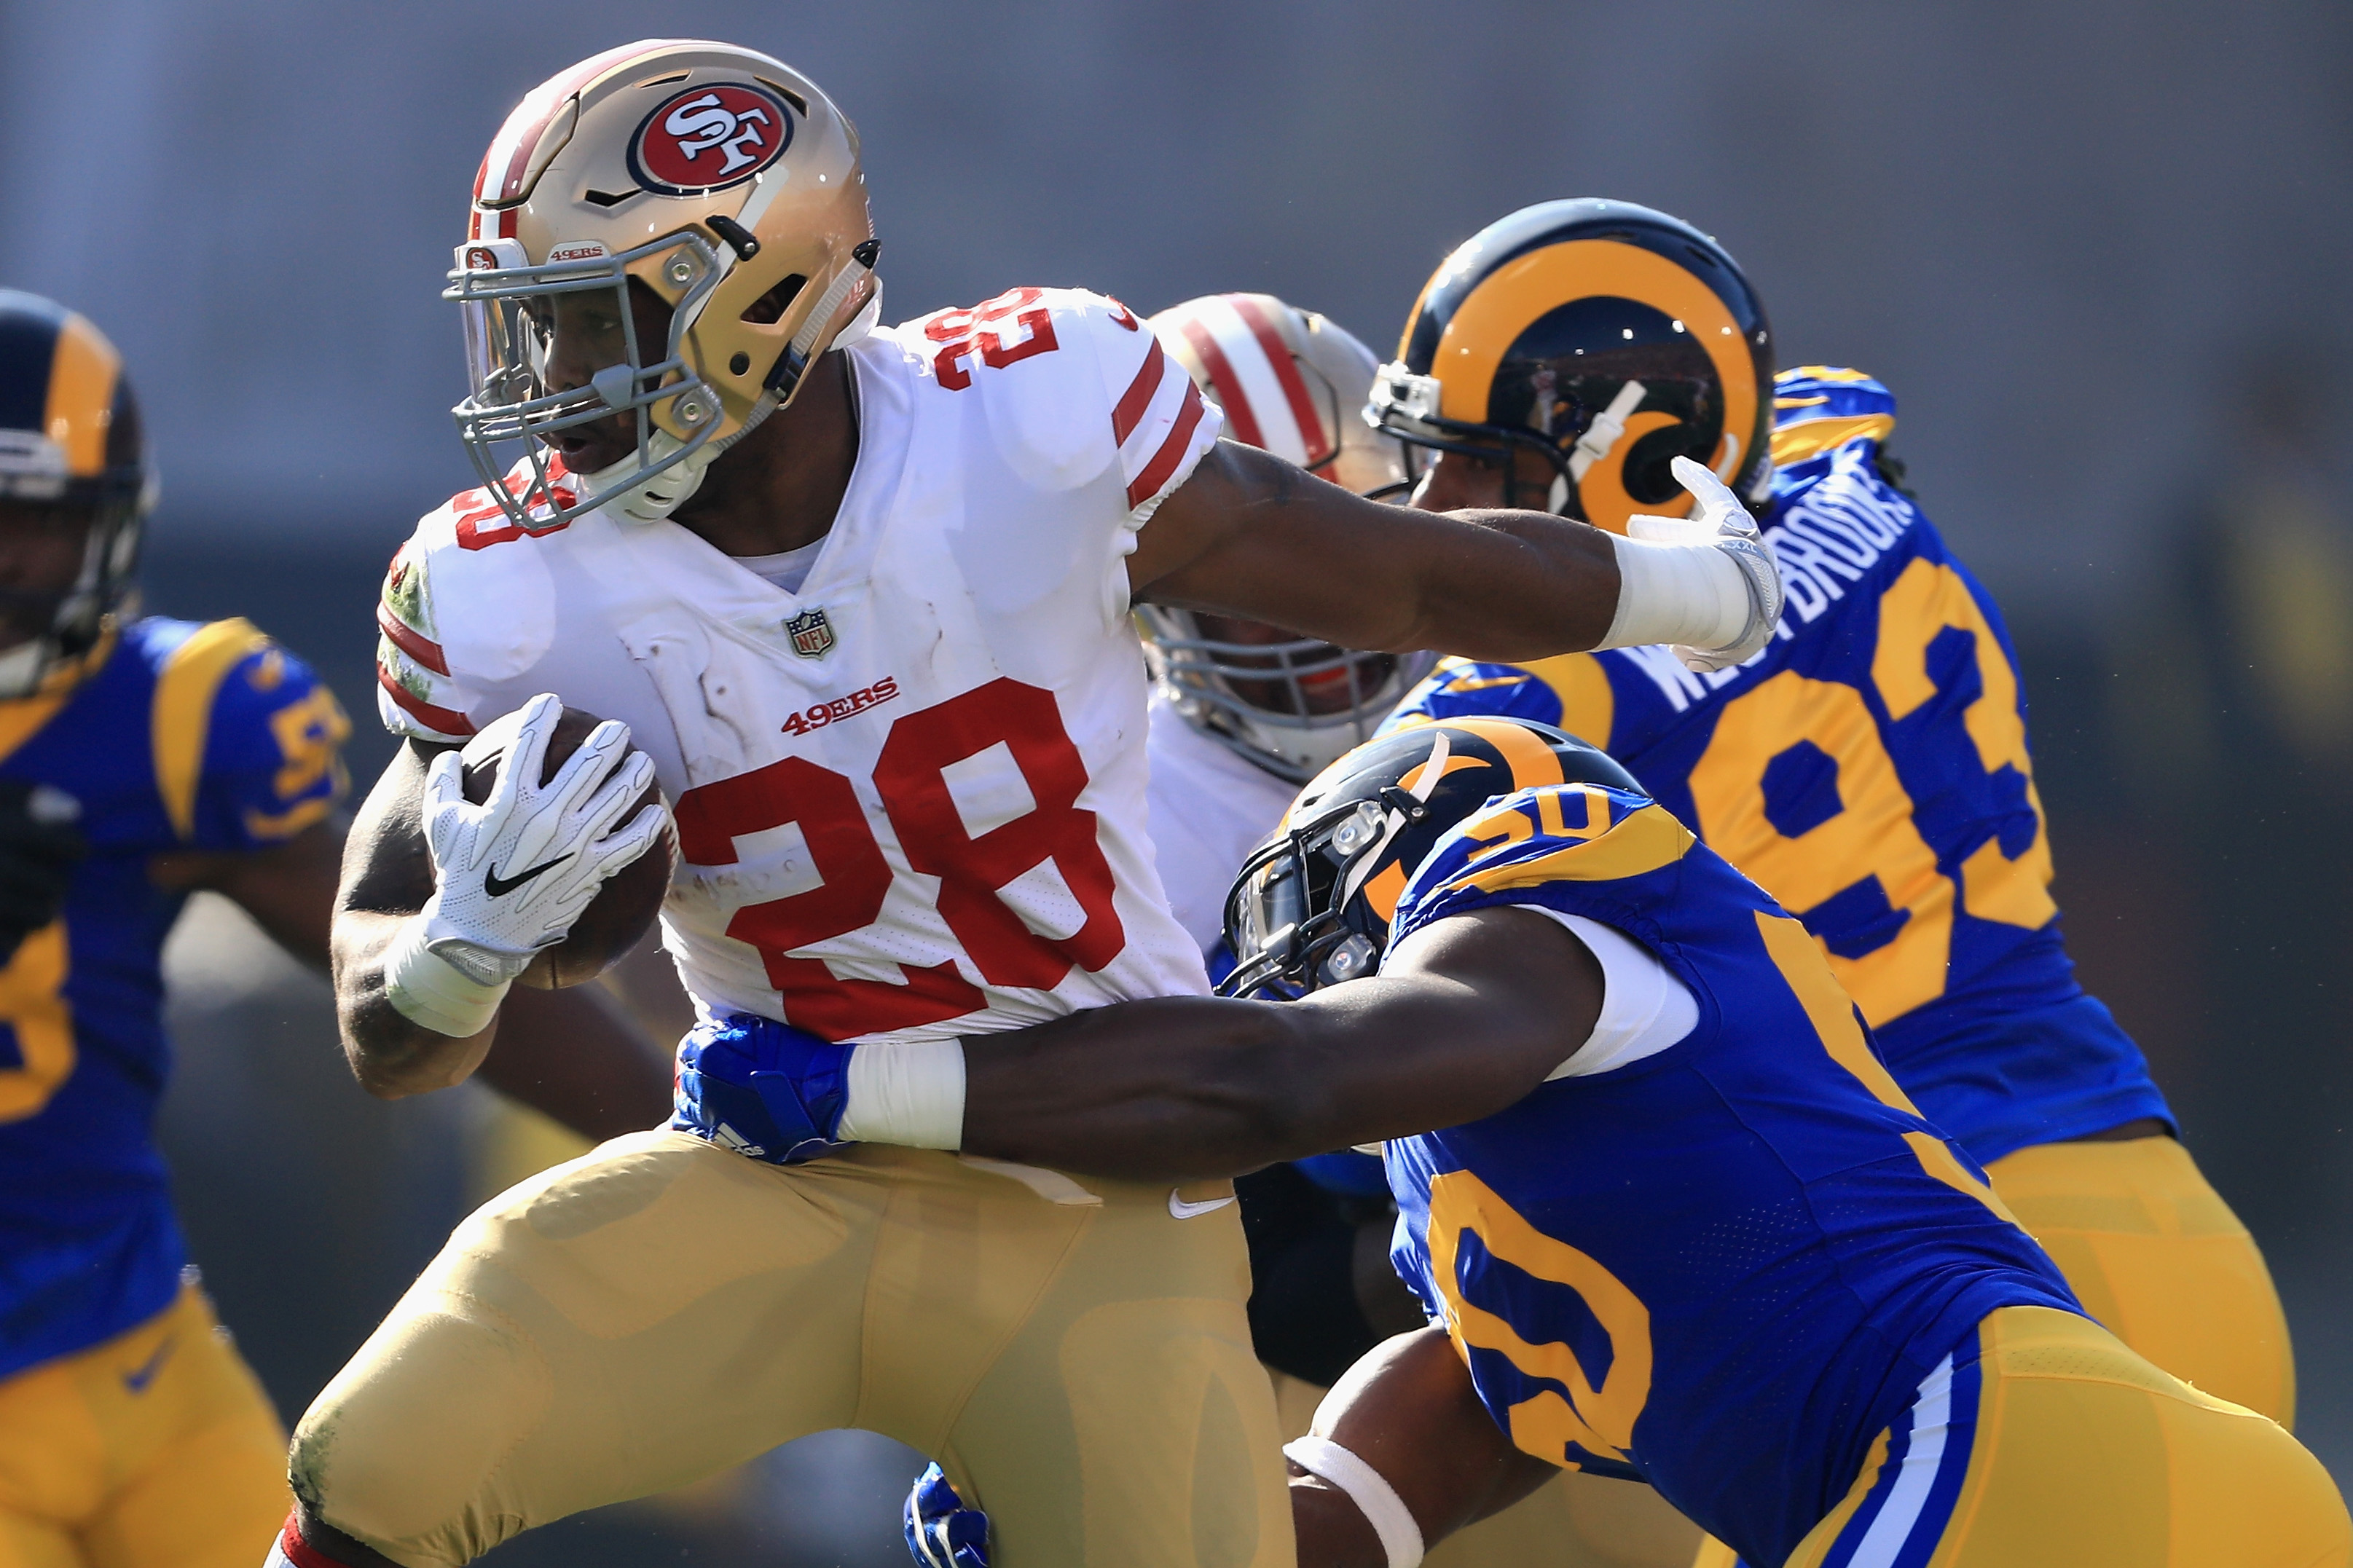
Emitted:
pixel 1644 1008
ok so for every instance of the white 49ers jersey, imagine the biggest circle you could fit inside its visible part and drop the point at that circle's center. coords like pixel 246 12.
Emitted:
pixel 910 797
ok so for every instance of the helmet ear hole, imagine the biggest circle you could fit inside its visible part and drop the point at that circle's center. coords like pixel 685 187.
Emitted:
pixel 770 307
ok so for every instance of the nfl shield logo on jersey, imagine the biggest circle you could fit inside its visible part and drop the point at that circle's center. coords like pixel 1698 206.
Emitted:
pixel 811 632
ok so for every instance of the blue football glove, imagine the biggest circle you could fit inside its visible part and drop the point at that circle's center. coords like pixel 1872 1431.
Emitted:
pixel 763 1088
pixel 941 1531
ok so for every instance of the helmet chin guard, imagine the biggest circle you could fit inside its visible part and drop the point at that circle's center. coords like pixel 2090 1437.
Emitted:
pixel 702 186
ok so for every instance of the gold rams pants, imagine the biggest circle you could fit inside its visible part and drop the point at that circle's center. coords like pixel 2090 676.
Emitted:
pixel 1075 1357
pixel 157 1448
pixel 2156 1256
pixel 2080 1454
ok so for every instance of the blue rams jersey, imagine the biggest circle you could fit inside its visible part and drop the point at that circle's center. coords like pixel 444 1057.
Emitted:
pixel 176 736
pixel 1723 1268
pixel 1869 768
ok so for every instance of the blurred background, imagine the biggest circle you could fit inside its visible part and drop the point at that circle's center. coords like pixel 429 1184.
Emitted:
pixel 2098 249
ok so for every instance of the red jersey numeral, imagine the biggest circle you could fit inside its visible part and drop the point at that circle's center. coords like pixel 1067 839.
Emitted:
pixel 1005 331
pixel 910 776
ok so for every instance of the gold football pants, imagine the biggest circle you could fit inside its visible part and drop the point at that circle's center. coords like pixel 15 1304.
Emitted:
pixel 2157 1257
pixel 1076 1358
pixel 154 1450
pixel 2077 1453
pixel 1574 1520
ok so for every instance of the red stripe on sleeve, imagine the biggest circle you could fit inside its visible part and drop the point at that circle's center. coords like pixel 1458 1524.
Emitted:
pixel 300 1553
pixel 1138 395
pixel 410 641
pixel 1286 371
pixel 1172 451
pixel 1230 396
pixel 442 721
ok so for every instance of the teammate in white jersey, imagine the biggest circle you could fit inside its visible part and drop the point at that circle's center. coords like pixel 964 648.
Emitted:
pixel 908 786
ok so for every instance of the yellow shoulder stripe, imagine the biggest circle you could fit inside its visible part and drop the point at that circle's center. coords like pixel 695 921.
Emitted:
pixel 183 710
pixel 1811 438
pixel 1643 842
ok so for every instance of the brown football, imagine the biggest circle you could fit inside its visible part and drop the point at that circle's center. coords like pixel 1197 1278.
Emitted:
pixel 624 909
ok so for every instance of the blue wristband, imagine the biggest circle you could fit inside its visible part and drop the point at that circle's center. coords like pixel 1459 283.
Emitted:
pixel 763 1088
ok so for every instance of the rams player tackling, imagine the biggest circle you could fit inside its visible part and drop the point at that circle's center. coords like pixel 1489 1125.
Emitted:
pixel 860 595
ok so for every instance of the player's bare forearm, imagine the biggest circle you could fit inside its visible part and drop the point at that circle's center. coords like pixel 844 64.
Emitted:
pixel 573 1055
pixel 289 889
pixel 388 875
pixel 1249 534
pixel 1408 1409
pixel 1469 1015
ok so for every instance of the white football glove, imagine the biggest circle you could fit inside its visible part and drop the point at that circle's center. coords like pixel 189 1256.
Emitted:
pixel 1721 521
pixel 511 874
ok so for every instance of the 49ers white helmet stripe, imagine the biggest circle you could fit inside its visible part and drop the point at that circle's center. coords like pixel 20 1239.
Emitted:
pixel 516 147
pixel 1255 379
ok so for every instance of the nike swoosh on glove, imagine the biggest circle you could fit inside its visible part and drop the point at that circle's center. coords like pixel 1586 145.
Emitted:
pixel 39 847
pixel 941 1531
pixel 511 874
pixel 1720 518
pixel 763 1088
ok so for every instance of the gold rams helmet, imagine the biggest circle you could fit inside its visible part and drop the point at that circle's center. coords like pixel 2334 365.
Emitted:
pixel 722 181
pixel 70 448
pixel 1603 336
pixel 1294 383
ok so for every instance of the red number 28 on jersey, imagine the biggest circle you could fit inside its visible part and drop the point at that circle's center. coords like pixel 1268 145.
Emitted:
pixel 910 776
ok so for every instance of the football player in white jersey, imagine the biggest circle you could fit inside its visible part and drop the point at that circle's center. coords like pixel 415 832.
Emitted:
pixel 1242 713
pixel 860 597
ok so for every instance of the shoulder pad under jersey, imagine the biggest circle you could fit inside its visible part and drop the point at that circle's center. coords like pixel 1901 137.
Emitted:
pixel 467 602
pixel 1072 382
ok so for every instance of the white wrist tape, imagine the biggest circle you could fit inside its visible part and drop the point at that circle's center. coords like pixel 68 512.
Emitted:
pixel 1675 592
pixel 908 1094
pixel 1369 1489
pixel 429 991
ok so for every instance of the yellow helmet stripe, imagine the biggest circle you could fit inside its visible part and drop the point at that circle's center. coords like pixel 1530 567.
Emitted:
pixel 1532 762
pixel 81 397
pixel 1493 315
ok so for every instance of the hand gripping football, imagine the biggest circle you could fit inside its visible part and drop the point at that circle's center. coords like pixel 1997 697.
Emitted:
pixel 625 907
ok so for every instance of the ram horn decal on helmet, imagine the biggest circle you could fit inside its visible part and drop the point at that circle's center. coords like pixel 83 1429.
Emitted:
pixel 733 199
pixel 1606 339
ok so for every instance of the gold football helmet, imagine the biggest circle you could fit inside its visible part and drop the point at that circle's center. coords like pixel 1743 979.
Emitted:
pixel 1608 338
pixel 717 181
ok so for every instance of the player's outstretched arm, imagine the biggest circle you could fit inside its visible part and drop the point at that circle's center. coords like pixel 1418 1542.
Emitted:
pixel 1467 1016
pixel 1408 1410
pixel 1249 534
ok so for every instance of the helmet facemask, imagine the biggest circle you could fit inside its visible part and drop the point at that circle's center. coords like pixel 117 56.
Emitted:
pixel 516 318
pixel 1292 707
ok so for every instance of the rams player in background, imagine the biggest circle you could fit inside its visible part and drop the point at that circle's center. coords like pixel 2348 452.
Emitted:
pixel 139 760
pixel 1242 714
pixel 1870 767
pixel 1678 1221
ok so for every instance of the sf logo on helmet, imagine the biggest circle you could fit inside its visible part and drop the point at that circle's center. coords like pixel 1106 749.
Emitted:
pixel 708 138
